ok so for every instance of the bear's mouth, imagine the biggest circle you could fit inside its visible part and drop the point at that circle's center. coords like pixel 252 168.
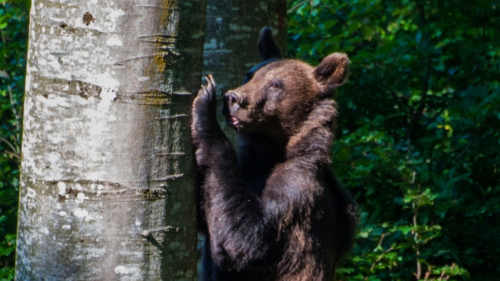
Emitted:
pixel 232 121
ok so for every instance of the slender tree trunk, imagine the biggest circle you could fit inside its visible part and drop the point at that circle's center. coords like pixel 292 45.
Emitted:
pixel 232 32
pixel 106 152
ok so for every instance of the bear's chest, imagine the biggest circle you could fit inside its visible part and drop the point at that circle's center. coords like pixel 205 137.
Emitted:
pixel 257 159
pixel 256 174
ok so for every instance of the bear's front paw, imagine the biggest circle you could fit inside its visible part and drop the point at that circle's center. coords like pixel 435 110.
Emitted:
pixel 204 108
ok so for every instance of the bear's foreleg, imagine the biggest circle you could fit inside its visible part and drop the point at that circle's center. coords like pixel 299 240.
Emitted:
pixel 237 227
pixel 315 137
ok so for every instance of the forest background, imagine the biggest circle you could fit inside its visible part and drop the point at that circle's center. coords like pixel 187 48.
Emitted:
pixel 418 139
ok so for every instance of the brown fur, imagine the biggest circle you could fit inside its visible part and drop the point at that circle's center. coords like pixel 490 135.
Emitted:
pixel 273 211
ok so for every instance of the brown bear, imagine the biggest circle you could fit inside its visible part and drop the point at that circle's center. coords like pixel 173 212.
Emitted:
pixel 273 210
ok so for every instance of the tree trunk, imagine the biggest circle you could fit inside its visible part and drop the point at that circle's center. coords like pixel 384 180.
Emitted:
pixel 232 32
pixel 106 151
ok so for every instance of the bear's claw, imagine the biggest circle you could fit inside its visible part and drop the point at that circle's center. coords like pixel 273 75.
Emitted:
pixel 211 87
pixel 204 107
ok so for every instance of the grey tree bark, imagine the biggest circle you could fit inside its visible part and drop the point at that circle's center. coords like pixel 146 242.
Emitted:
pixel 232 32
pixel 106 153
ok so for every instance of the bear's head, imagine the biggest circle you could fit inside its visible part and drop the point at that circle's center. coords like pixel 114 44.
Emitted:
pixel 277 94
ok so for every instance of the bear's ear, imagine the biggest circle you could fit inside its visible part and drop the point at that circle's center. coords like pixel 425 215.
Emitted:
pixel 268 49
pixel 333 70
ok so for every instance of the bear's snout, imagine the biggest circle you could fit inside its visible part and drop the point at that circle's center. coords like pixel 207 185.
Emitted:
pixel 231 104
pixel 230 107
pixel 232 101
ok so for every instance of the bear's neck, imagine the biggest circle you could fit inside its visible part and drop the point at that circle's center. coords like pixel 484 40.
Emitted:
pixel 257 156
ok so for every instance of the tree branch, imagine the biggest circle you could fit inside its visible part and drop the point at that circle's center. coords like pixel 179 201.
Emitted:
pixel 9 144
pixel 380 258
pixel 435 117
pixel 415 206
pixel 13 154
pixel 296 7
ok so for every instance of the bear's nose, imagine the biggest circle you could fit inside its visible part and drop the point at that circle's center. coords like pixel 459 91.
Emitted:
pixel 231 99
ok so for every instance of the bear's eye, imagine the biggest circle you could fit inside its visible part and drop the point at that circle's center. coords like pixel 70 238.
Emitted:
pixel 276 85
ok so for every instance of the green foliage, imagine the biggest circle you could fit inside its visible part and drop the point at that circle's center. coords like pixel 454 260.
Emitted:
pixel 419 132
pixel 13 43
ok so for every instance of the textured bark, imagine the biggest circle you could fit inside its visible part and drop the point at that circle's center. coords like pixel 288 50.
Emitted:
pixel 232 32
pixel 106 150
